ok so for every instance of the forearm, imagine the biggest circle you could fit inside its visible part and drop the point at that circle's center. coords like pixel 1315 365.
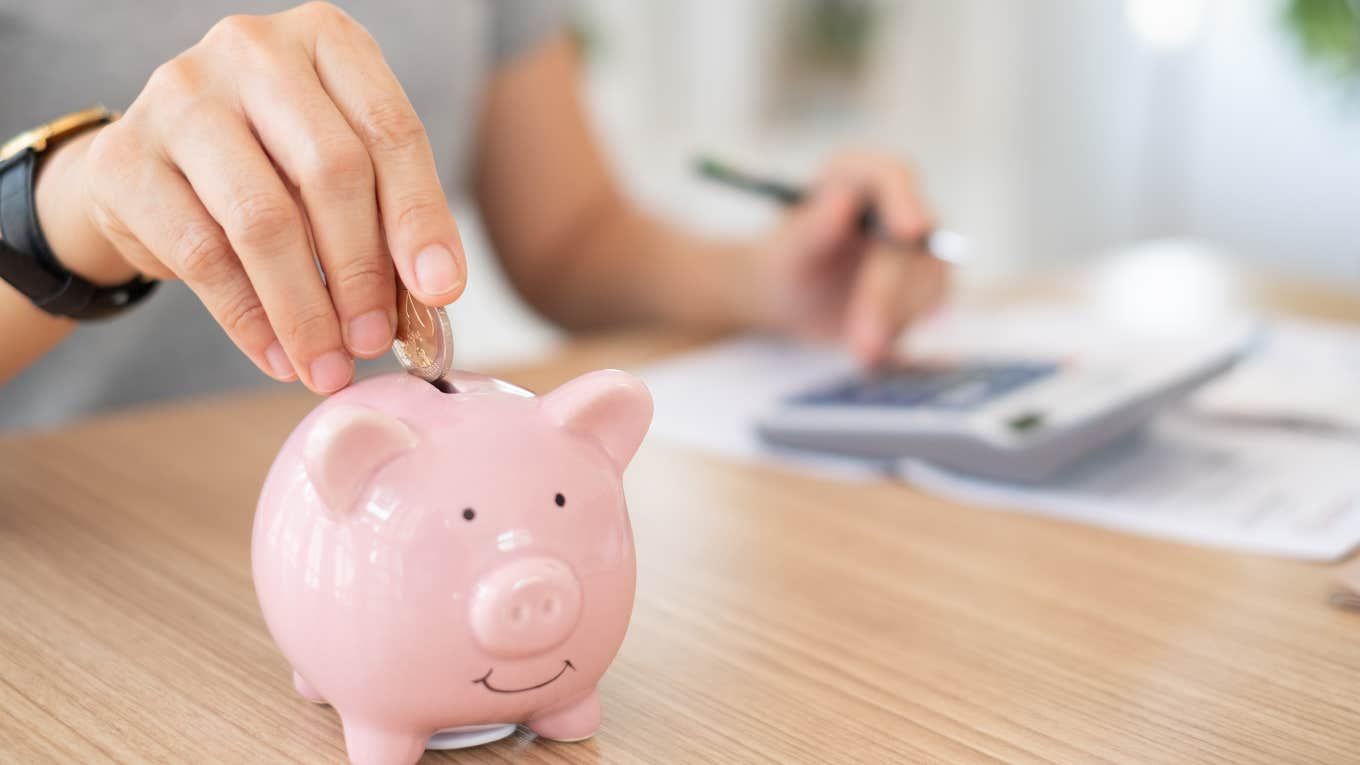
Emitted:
pixel 572 245
pixel 28 331
pixel 622 266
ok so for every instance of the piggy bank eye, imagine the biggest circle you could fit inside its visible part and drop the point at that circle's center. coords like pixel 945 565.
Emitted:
pixel 560 500
pixel 469 513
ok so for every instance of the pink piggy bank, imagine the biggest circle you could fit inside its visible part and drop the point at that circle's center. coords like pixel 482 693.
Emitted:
pixel 448 565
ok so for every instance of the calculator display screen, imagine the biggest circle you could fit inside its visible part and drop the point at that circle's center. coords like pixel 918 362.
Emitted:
pixel 948 388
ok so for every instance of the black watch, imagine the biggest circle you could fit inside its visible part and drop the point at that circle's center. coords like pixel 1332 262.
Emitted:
pixel 26 261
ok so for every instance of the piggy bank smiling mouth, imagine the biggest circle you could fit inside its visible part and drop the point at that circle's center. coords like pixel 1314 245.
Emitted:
pixel 485 680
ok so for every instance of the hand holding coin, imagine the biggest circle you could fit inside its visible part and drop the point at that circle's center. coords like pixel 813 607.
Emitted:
pixel 424 341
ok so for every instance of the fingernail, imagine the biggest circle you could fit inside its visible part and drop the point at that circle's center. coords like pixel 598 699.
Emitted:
pixel 370 333
pixel 278 362
pixel 331 371
pixel 437 271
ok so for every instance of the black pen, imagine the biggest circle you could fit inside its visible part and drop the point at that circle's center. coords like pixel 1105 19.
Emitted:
pixel 941 243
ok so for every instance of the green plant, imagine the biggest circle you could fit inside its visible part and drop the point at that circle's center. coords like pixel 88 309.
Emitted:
pixel 1328 34
pixel 834 33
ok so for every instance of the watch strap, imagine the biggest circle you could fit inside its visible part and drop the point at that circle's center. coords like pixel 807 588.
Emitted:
pixel 27 262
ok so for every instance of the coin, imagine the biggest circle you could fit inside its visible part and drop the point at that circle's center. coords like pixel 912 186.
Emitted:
pixel 424 342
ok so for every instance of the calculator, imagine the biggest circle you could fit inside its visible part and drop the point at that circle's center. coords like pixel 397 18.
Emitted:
pixel 1012 419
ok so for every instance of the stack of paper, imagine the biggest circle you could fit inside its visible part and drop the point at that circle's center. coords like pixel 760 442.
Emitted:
pixel 1266 459
pixel 1253 488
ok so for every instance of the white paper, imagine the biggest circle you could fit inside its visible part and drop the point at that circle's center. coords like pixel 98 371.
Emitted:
pixel 1305 371
pixel 1276 490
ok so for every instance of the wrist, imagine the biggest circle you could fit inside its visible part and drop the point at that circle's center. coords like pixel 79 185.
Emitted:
pixel 63 211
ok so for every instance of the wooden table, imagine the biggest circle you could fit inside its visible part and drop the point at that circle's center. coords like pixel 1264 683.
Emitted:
pixel 779 618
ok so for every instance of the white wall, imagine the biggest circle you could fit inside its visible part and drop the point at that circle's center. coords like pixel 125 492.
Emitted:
pixel 1047 128
pixel 1275 155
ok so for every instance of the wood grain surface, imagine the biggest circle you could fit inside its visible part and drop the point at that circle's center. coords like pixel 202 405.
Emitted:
pixel 779 618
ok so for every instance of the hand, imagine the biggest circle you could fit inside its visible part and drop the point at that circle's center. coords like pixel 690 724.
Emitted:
pixel 274 144
pixel 821 276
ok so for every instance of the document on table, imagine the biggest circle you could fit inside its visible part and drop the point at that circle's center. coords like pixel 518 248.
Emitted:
pixel 1305 372
pixel 1231 469
pixel 1276 490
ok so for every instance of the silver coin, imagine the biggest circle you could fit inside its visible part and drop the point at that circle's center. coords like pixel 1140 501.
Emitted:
pixel 424 342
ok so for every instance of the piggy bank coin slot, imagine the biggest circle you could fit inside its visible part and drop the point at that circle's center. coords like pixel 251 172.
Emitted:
pixel 443 386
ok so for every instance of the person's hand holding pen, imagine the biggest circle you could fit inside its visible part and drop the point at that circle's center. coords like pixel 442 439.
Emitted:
pixel 849 259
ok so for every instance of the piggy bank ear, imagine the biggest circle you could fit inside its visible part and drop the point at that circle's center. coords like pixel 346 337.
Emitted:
pixel 610 406
pixel 346 447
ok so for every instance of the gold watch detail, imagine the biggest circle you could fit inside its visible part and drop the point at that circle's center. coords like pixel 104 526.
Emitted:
pixel 39 137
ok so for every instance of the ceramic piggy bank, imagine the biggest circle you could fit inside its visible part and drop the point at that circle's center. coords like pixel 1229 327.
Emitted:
pixel 448 565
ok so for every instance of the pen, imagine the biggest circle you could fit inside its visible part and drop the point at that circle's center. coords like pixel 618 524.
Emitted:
pixel 943 244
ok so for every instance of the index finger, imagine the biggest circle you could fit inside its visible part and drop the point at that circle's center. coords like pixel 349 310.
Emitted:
pixel 421 233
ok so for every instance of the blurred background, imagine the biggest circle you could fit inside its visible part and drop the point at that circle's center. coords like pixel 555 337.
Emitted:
pixel 1050 131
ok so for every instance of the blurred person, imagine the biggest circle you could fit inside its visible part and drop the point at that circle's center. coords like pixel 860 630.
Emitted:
pixel 277 143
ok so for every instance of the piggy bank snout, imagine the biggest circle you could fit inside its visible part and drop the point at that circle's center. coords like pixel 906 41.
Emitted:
pixel 526 606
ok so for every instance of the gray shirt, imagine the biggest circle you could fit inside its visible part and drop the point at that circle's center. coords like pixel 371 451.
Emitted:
pixel 57 56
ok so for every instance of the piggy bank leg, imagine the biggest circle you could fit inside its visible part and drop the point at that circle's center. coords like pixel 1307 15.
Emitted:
pixel 577 721
pixel 367 745
pixel 306 691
